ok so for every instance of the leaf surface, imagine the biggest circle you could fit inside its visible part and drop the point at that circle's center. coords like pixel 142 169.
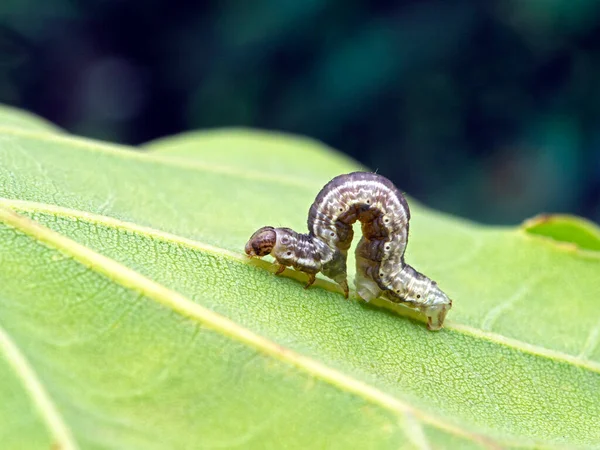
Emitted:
pixel 12 118
pixel 129 317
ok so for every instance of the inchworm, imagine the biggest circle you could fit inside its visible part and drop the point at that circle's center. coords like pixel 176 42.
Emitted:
pixel 380 268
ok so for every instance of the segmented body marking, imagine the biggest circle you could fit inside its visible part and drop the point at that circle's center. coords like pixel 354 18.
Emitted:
pixel 380 267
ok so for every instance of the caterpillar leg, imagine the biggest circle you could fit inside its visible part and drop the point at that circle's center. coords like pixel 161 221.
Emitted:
pixel 366 287
pixel 311 279
pixel 436 315
pixel 336 270
pixel 280 269
pixel 345 288
pixel 343 283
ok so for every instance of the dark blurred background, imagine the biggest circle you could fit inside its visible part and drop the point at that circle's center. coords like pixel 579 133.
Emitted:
pixel 486 109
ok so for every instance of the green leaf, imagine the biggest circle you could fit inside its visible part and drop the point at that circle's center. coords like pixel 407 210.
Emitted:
pixel 130 318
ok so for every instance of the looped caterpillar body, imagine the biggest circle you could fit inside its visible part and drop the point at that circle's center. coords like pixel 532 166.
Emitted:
pixel 381 271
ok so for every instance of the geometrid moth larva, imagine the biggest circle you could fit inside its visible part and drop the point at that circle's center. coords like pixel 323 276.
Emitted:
pixel 380 268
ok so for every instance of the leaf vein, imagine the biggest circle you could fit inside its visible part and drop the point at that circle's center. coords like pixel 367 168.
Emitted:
pixel 39 396
pixel 591 342
pixel 494 313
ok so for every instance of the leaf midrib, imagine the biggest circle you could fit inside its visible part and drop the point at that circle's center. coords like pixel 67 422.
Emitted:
pixel 152 233
pixel 133 280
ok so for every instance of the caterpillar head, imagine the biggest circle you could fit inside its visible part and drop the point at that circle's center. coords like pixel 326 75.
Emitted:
pixel 261 243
